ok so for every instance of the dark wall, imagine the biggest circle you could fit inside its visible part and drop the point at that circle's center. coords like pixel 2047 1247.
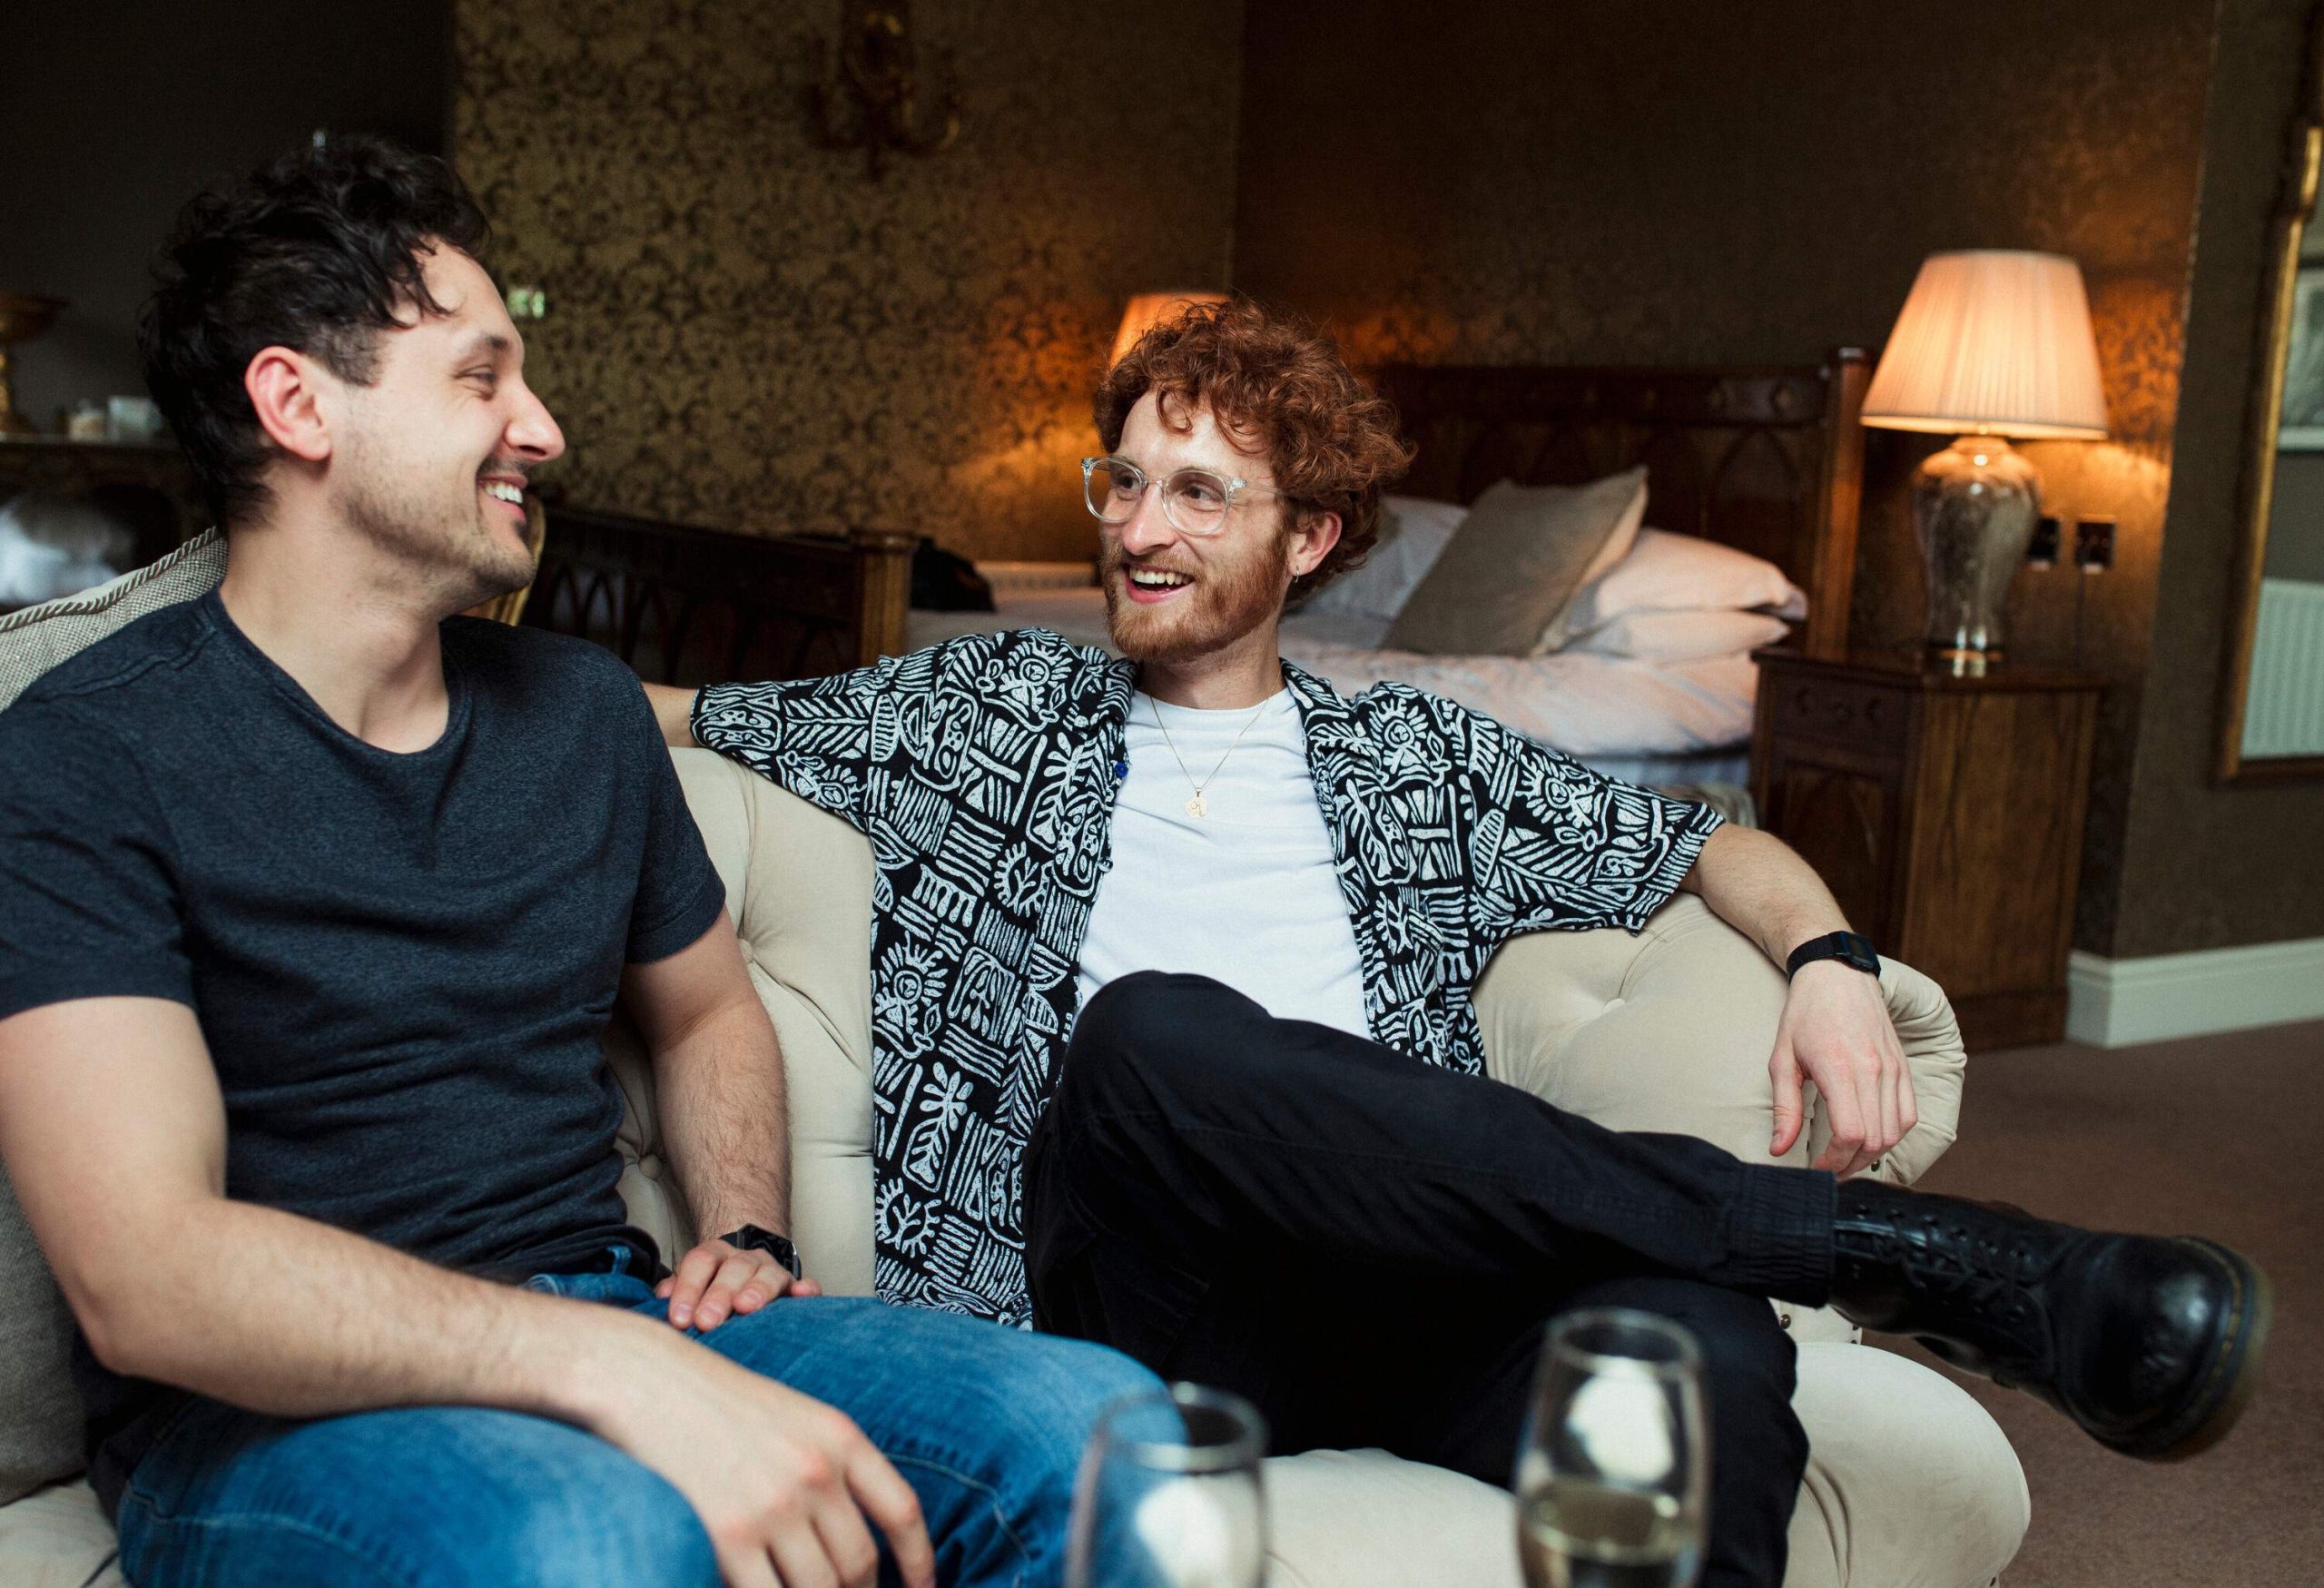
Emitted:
pixel 1684 181
pixel 112 115
pixel 2207 865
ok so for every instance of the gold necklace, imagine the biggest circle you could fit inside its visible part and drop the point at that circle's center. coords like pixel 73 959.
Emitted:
pixel 1196 807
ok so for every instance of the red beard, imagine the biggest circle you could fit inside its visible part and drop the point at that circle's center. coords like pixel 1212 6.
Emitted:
pixel 1225 603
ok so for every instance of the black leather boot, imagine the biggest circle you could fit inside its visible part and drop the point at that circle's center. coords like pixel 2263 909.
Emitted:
pixel 2150 1344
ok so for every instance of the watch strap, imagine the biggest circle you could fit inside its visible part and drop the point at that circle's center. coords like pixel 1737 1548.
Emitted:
pixel 1847 947
pixel 751 1238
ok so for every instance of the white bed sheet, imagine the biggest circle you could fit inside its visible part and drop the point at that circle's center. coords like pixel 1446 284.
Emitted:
pixel 1645 721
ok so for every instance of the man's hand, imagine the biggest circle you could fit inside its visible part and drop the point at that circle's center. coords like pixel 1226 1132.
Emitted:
pixel 1836 1032
pixel 782 1483
pixel 716 1281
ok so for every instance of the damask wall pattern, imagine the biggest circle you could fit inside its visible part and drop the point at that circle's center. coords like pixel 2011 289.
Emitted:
pixel 746 333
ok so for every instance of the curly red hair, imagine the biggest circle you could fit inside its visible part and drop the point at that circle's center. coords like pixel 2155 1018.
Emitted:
pixel 1281 389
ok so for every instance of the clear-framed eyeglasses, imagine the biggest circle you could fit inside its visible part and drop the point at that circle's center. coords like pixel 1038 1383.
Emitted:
pixel 1195 500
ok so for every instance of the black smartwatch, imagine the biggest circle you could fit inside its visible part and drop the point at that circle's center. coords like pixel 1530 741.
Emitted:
pixel 751 1238
pixel 1844 946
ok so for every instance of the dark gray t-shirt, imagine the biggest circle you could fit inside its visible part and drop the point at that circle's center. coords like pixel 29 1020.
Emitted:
pixel 401 964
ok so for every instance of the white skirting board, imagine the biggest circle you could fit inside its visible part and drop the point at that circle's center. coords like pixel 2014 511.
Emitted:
pixel 2117 1003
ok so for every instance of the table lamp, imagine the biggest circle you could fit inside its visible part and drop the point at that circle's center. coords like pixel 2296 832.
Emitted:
pixel 1149 309
pixel 1992 343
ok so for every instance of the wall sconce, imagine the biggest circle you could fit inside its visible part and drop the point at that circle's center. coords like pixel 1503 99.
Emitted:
pixel 870 101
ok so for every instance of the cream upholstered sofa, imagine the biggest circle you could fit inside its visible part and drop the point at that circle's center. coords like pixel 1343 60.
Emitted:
pixel 1909 1485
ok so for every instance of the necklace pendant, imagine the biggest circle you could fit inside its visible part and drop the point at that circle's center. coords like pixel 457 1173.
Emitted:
pixel 1197 808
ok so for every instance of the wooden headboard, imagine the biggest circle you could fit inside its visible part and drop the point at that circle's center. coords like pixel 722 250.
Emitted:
pixel 688 605
pixel 1769 459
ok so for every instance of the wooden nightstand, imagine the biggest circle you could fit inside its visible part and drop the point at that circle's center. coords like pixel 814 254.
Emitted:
pixel 1946 815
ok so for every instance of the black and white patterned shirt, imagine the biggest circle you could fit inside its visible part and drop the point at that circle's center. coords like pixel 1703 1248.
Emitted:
pixel 984 771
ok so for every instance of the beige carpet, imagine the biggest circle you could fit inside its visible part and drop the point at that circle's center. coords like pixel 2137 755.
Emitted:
pixel 2218 1136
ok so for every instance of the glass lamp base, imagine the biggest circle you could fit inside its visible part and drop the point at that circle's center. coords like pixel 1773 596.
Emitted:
pixel 1974 506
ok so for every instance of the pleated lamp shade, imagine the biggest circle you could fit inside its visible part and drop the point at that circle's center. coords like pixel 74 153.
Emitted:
pixel 1148 310
pixel 1995 341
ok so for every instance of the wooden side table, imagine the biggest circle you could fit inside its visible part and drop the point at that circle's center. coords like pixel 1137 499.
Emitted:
pixel 1945 814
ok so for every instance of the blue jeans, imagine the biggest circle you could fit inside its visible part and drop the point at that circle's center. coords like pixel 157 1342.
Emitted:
pixel 985 1424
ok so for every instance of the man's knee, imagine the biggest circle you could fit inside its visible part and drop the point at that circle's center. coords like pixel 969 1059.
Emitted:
pixel 628 1529
pixel 1043 1402
pixel 996 1476
pixel 1145 1026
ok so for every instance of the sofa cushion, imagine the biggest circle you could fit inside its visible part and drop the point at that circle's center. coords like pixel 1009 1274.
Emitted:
pixel 798 884
pixel 40 1415
pixel 57 1538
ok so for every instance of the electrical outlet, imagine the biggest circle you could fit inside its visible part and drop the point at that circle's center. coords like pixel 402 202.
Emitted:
pixel 2041 551
pixel 2093 545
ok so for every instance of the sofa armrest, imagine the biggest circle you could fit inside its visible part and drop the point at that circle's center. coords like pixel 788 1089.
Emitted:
pixel 1671 1030
pixel 1931 1037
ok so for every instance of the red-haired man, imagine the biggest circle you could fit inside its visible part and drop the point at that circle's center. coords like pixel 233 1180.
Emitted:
pixel 1191 938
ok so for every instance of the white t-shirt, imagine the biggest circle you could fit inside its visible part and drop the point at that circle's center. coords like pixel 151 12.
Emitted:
pixel 1244 894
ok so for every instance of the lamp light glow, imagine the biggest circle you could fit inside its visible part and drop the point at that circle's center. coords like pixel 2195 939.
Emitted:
pixel 1991 342
pixel 1148 310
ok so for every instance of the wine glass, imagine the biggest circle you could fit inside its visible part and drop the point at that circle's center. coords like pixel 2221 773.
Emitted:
pixel 1613 1474
pixel 1169 1495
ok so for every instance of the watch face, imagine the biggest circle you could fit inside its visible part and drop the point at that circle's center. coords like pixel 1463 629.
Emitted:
pixel 1857 952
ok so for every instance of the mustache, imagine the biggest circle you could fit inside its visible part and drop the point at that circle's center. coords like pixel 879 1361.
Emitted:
pixel 1113 559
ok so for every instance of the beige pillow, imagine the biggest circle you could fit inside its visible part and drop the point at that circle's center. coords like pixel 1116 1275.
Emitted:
pixel 1504 582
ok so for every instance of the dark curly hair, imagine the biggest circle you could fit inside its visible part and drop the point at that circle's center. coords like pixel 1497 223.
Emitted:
pixel 314 252
pixel 1282 389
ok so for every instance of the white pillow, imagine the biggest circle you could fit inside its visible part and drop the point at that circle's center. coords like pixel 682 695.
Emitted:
pixel 1666 572
pixel 1421 528
pixel 1682 636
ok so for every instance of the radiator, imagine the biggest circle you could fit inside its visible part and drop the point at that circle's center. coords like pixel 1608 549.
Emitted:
pixel 2283 712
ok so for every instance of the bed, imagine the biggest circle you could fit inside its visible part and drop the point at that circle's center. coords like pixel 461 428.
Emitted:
pixel 1766 459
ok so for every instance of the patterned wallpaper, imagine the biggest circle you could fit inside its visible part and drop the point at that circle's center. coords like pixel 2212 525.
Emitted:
pixel 744 332
pixel 1678 181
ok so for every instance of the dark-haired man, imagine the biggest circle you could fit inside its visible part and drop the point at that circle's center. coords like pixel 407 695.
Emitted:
pixel 314 899
pixel 1194 938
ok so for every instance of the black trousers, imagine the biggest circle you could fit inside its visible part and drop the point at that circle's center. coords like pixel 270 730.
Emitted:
pixel 1367 1246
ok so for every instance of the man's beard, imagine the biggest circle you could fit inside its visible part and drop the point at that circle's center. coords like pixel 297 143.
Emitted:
pixel 449 550
pixel 1221 607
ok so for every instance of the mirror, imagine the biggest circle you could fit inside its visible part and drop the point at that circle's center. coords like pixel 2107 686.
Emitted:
pixel 2274 696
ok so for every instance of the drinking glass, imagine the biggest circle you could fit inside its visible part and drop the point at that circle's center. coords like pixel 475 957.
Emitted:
pixel 1613 1474
pixel 1169 1495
